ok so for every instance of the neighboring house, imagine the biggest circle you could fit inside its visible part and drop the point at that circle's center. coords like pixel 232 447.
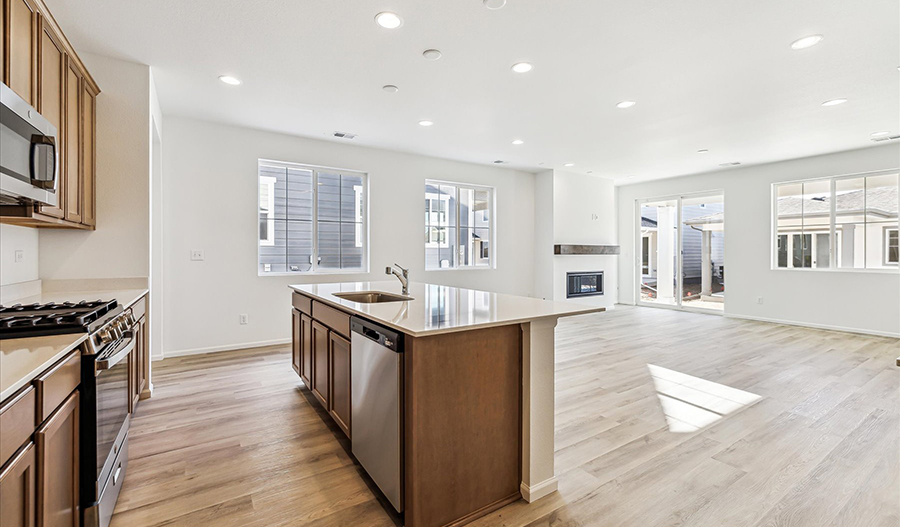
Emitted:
pixel 693 217
pixel 866 231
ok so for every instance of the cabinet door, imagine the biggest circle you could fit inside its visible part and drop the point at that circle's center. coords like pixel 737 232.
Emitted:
pixel 136 364
pixel 320 362
pixel 306 352
pixel 88 159
pixel 17 490
pixel 340 381
pixel 295 340
pixel 57 454
pixel 72 142
pixel 20 58
pixel 51 95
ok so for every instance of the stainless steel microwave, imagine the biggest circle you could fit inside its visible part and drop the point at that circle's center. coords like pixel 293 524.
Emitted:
pixel 28 153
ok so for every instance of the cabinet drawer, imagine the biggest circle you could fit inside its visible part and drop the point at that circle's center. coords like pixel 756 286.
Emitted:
pixel 54 385
pixel 302 304
pixel 331 317
pixel 16 422
pixel 139 308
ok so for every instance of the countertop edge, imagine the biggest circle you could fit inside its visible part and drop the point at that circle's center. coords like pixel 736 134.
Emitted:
pixel 25 380
pixel 442 331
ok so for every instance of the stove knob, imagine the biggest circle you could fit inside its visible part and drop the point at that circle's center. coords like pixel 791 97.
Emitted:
pixel 106 337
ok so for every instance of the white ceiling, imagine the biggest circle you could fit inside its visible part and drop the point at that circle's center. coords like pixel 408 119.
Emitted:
pixel 716 75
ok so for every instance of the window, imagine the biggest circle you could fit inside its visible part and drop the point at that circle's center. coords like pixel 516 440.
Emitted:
pixel 458 225
pixel 311 219
pixel 843 222
pixel 891 247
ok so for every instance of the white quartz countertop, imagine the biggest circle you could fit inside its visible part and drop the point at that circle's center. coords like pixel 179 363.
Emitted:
pixel 441 309
pixel 21 360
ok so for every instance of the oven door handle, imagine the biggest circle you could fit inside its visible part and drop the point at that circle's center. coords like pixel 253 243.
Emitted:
pixel 109 362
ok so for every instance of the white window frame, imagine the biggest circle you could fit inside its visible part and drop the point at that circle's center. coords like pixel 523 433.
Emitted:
pixel 492 239
pixel 362 232
pixel 269 241
pixel 834 254
pixel 887 244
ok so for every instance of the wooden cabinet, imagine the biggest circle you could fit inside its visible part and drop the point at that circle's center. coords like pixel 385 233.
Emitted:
pixel 306 352
pixel 295 340
pixel 137 367
pixel 320 352
pixel 340 381
pixel 57 461
pixel 21 23
pixel 41 66
pixel 18 484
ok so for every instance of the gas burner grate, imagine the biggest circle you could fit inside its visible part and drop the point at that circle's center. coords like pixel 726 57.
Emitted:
pixel 35 320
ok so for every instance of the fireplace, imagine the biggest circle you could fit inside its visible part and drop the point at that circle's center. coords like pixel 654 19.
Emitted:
pixel 587 283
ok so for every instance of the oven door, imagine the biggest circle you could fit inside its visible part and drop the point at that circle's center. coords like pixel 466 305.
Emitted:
pixel 111 379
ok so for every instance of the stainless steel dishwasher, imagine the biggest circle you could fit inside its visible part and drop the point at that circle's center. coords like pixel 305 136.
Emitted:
pixel 375 415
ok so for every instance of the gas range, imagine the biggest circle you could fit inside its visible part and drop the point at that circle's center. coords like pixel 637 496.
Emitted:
pixel 37 320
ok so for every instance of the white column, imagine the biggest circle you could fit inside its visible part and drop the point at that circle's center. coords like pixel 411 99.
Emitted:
pixel 706 263
pixel 538 407
pixel 665 276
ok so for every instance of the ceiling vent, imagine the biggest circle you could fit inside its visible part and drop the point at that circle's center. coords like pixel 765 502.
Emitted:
pixel 500 162
pixel 345 135
pixel 733 164
pixel 885 138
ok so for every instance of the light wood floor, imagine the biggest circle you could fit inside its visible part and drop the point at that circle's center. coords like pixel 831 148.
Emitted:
pixel 231 438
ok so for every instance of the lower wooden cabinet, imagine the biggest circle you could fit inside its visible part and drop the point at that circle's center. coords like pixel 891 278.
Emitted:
pixel 295 341
pixel 320 352
pixel 57 461
pixel 137 367
pixel 18 484
pixel 340 381
pixel 305 348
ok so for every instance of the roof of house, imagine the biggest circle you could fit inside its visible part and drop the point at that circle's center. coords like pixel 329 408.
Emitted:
pixel 647 223
pixel 878 200
pixel 716 217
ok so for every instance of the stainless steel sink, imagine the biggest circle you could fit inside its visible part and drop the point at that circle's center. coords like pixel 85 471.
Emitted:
pixel 373 297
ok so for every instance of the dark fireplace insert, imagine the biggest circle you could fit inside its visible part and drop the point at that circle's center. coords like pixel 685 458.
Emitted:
pixel 586 283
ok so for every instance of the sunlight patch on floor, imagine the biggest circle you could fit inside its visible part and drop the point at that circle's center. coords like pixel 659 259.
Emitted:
pixel 691 403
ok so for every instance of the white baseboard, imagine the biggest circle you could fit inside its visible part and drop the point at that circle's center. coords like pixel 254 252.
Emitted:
pixel 538 491
pixel 230 347
pixel 816 326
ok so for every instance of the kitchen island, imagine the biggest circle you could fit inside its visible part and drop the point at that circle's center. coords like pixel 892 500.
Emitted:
pixel 476 389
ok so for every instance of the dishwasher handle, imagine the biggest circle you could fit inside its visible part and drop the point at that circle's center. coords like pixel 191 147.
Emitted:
pixel 381 335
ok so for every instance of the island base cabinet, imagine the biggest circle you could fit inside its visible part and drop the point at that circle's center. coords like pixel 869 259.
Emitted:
pixel 340 381
pixel 18 482
pixel 295 341
pixel 305 350
pixel 57 460
pixel 462 425
pixel 320 345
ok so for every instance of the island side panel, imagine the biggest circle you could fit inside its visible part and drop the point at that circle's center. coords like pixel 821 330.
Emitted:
pixel 462 425
pixel 538 407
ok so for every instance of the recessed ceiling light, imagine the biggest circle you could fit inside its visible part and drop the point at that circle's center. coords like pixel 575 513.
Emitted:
pixel 388 20
pixel 431 54
pixel 425 122
pixel 518 142
pixel 731 164
pixel 390 88
pixel 500 162
pixel 630 177
pixel 625 104
pixel 228 79
pixel 569 165
pixel 590 171
pixel 703 151
pixel 834 102
pixel 494 4
pixel 522 67
pixel 806 42
pixel 880 134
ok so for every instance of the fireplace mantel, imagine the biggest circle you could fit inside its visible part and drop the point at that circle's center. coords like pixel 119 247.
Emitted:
pixel 585 249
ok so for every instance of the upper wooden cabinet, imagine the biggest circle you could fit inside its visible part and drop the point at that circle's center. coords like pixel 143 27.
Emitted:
pixel 41 66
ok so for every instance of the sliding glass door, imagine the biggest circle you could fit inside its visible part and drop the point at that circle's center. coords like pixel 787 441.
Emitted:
pixel 681 257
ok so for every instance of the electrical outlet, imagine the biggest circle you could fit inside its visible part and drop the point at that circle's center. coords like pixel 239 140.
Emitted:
pixel 197 255
pixel 244 319
pixel 19 255
pixel 759 300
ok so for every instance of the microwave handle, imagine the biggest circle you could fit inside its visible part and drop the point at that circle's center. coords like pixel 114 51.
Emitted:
pixel 39 144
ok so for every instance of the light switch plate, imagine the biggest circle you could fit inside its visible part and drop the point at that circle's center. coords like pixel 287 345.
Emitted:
pixel 197 255
pixel 19 255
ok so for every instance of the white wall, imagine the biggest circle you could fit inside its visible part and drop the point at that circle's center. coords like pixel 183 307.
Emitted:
pixel 209 203
pixel 156 224
pixel 119 248
pixel 12 239
pixel 851 300
pixel 574 209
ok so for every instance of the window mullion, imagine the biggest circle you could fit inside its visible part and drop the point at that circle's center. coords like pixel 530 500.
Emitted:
pixel 314 264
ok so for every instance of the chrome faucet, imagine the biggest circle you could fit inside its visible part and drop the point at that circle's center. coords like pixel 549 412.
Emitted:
pixel 402 275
